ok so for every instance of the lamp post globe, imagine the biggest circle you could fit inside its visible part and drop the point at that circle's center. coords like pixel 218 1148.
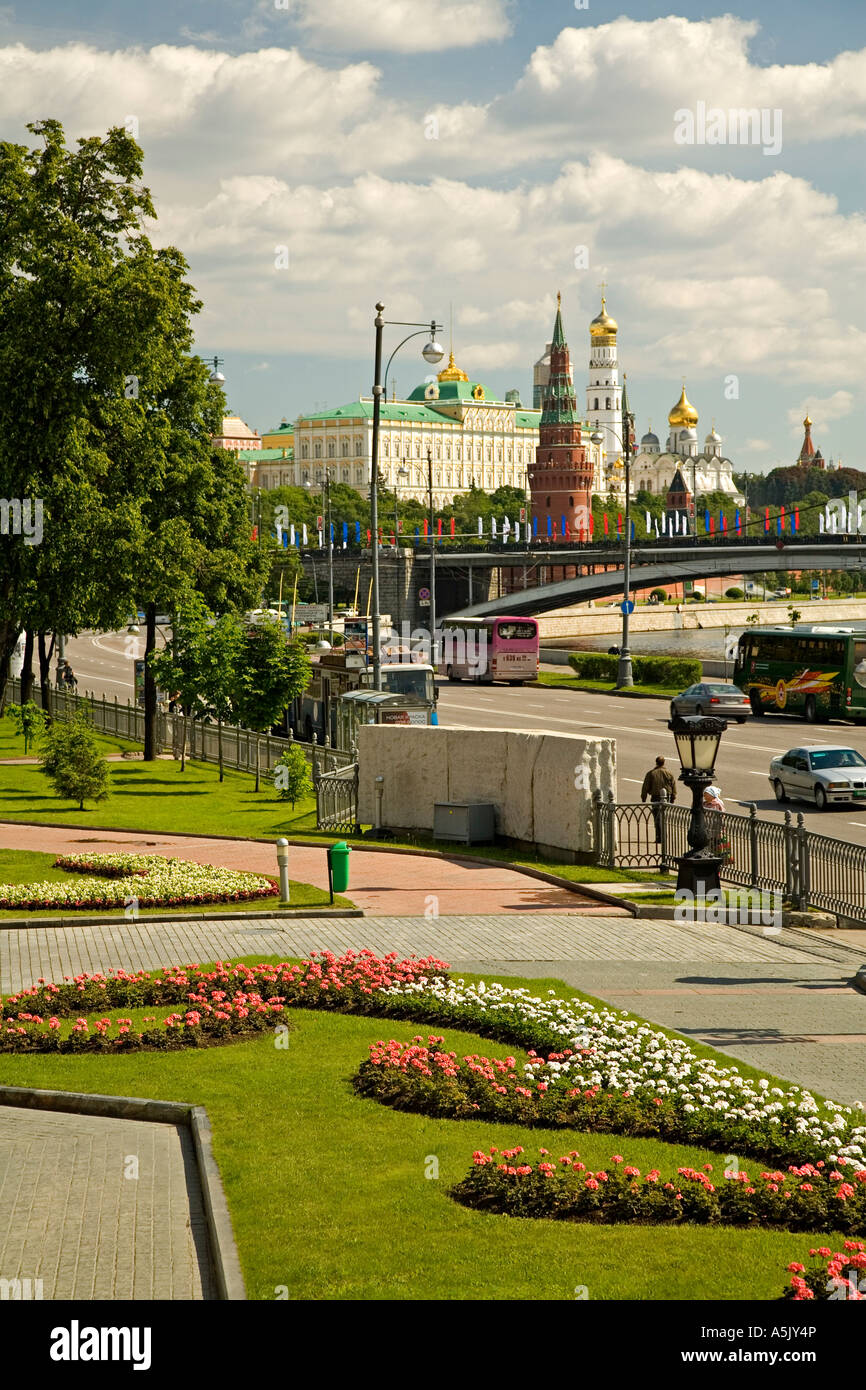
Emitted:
pixel 433 352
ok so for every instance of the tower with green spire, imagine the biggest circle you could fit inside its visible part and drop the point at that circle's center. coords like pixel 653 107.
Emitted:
pixel 562 478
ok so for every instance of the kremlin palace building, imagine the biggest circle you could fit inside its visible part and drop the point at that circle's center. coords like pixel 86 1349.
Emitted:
pixel 475 440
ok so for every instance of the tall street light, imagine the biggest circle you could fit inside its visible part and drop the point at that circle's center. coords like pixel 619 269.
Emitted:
pixel 402 475
pixel 432 561
pixel 327 500
pixel 697 738
pixel 624 674
pixel 433 352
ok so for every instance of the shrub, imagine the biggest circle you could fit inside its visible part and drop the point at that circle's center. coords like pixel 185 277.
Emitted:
pixel 29 720
pixel 666 670
pixel 72 762
pixel 292 776
pixel 594 666
pixel 734 593
pixel 837 1275
pixel 660 594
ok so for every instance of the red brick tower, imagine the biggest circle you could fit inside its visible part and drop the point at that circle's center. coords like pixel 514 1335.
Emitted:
pixel 561 480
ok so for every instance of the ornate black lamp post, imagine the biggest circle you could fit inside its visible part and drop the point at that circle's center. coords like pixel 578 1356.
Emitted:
pixel 697 738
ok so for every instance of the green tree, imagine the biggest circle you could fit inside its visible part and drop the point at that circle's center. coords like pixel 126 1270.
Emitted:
pixel 29 720
pixel 72 762
pixel 270 671
pixel 292 775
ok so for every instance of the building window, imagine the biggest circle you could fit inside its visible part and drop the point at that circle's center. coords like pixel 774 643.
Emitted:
pixel 571 501
pixel 478 453
pixel 439 451
pixel 417 448
pixel 595 406
pixel 317 449
pixel 509 455
pixel 346 474
pixel 607 403
pixel 359 447
pixel 305 451
pixel 499 454
pixel 345 448
pixel 547 502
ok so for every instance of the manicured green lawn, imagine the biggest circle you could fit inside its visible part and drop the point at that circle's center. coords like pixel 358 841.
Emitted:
pixel 561 681
pixel 333 1197
pixel 12 744
pixel 32 866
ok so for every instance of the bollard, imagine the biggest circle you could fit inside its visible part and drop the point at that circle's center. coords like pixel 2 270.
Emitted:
pixel 283 861
pixel 380 792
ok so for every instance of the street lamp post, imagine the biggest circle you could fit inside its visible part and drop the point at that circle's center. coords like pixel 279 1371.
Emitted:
pixel 624 674
pixel 432 562
pixel 402 475
pixel 330 553
pixel 697 738
pixel 433 352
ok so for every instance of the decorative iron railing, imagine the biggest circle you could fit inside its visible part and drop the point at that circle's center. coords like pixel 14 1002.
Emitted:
pixel 807 869
pixel 337 800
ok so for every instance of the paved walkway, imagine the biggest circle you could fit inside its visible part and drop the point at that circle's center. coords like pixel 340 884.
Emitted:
pixel 100 1208
pixel 380 882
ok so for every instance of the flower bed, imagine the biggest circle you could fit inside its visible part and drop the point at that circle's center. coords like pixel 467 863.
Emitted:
pixel 808 1198
pixel 230 1001
pixel 149 878
pixel 839 1274
pixel 629 1080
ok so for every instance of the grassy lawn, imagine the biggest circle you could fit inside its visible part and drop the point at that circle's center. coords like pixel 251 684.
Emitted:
pixel 12 744
pixel 328 1193
pixel 574 682
pixel 31 866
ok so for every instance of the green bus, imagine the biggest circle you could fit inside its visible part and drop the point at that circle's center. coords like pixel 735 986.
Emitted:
pixel 816 671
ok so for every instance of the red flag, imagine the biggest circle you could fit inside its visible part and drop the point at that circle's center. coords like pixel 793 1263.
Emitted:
pixel 712 525
pixel 438 526
pixel 368 535
pixel 724 523
pixel 255 534
pixel 618 522
pixel 393 539
pixel 566 533
pixel 782 515
pixel 452 527
pixel 425 526
pixel 766 518
pixel 605 524
pixel 591 524
pixel 797 518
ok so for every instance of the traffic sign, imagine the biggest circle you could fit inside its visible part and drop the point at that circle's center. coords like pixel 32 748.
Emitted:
pixel 424 594
pixel 627 606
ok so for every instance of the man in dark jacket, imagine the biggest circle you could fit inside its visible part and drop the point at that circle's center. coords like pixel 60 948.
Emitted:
pixel 658 780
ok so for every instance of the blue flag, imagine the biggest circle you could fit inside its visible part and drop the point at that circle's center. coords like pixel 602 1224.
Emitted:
pixel 779 525
pixel 535 526
pixel 737 521
pixel 357 533
pixel 417 534
pixel 345 534
pixel 632 530
pixel 707 521
pixel 549 528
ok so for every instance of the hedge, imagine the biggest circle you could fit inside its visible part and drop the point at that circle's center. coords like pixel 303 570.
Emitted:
pixel 647 670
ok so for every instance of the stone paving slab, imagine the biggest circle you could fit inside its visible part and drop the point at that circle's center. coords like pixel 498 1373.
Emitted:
pixel 72 1214
pixel 53 952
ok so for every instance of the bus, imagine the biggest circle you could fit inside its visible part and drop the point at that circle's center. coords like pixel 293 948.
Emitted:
pixel 490 649
pixel 313 715
pixel 816 671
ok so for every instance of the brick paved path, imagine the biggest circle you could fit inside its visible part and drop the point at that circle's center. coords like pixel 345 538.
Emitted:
pixel 71 1217
pixel 52 952
pixel 380 881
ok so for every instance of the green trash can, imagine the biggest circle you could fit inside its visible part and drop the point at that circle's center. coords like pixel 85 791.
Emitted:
pixel 338 855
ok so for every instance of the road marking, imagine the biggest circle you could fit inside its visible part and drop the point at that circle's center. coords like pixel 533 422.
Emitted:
pixel 636 780
pixel 858 822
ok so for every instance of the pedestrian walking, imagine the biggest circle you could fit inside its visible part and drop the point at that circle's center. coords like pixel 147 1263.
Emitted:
pixel 658 781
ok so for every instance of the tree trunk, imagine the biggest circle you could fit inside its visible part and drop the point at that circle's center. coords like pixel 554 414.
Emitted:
pixel 258 759
pixel 183 742
pixel 149 685
pixel 220 744
pixel 45 653
pixel 27 669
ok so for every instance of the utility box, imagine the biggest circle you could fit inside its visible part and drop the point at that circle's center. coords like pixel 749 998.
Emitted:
pixel 466 822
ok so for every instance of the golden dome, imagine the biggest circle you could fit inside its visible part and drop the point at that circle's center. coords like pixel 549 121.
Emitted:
pixel 683 415
pixel 603 325
pixel 808 423
pixel 452 372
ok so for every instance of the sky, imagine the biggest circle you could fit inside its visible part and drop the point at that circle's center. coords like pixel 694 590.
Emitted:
pixel 467 159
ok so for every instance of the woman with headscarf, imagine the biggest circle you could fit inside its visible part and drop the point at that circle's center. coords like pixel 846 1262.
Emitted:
pixel 714 808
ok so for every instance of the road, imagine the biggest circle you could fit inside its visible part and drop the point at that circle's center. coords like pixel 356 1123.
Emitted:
pixel 103 664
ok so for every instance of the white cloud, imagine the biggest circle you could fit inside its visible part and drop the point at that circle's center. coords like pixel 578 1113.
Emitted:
pixel 822 410
pixel 758 446
pixel 403 26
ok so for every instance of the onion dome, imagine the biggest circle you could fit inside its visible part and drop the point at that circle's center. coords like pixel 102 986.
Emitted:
pixel 650 440
pixel 452 372
pixel 603 328
pixel 683 416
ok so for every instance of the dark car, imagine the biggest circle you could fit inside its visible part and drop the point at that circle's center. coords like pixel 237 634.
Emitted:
pixel 707 697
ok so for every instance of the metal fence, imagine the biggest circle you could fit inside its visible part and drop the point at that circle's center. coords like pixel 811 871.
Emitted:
pixel 808 869
pixel 337 800
pixel 240 747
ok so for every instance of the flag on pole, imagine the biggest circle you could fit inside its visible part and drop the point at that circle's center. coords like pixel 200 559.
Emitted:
pixel 820 523
pixel 535 526
pixel 439 527
pixel 564 528
pixel 664 523
pixel 795 521
pixel 345 534
pixel 417 535
pixel 357 533
pixel 506 527
pixel 657 527
pixel 766 518
pixel 305 541
pixel 426 528
pixel 632 531
pixel 292 534
pixel 712 526
pixel 648 519
pixel 493 527
pixel 517 532
pixel 778 525
pixel 452 528
pixel 605 524
pixel 549 527
pixel 591 525
pixel 480 527
pixel 619 523
pixel 737 521
pixel 369 536
pixel 255 533
pixel 706 522
pixel 724 522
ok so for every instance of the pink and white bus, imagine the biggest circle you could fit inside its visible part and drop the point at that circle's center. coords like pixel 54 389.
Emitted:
pixel 490 649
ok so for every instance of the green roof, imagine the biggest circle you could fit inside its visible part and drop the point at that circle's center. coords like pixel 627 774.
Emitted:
pixel 454 391
pixel 286 427
pixel 266 455
pixel 417 409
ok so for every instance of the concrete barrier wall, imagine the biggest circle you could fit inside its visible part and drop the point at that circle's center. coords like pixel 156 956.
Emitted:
pixel 540 783
pixel 563 623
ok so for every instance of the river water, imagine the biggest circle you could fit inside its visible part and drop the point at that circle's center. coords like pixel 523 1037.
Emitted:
pixel 706 643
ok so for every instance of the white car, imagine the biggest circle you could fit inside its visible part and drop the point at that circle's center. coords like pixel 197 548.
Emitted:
pixel 820 773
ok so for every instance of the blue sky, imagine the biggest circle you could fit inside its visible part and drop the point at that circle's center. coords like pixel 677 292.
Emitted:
pixel 439 152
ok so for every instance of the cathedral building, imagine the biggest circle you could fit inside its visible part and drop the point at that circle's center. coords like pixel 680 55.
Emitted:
pixel 561 479
pixel 703 466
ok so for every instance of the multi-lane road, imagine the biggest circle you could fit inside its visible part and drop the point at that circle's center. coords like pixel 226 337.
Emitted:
pixel 104 665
